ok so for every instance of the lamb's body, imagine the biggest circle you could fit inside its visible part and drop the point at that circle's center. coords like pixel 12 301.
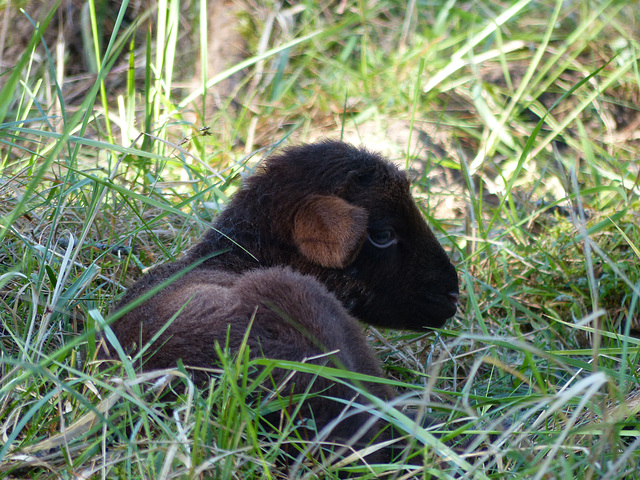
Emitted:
pixel 323 234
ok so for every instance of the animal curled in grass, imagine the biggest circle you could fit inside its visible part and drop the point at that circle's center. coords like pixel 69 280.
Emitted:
pixel 323 235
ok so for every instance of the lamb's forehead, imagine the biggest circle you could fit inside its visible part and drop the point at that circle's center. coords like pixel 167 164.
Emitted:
pixel 334 163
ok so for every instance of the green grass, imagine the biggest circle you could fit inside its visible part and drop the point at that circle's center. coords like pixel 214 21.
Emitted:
pixel 519 125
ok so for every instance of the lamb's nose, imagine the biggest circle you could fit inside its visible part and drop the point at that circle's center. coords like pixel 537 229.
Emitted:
pixel 454 297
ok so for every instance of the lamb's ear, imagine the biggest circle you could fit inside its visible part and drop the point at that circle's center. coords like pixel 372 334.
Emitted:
pixel 329 231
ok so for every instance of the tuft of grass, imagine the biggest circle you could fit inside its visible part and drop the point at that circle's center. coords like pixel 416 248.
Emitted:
pixel 519 126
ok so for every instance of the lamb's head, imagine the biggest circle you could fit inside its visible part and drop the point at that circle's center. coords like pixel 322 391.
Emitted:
pixel 346 216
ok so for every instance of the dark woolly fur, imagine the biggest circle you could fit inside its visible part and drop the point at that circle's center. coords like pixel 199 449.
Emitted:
pixel 322 235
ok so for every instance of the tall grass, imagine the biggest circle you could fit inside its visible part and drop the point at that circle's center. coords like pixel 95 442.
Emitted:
pixel 519 124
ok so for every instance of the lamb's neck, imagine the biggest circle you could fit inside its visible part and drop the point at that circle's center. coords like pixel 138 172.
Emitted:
pixel 241 249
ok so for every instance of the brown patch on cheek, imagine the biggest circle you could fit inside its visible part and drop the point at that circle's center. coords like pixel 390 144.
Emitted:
pixel 329 231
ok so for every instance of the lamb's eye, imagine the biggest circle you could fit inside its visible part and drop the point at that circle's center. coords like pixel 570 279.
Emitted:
pixel 382 238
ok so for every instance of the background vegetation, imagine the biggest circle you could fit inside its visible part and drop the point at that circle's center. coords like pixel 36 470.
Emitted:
pixel 120 139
